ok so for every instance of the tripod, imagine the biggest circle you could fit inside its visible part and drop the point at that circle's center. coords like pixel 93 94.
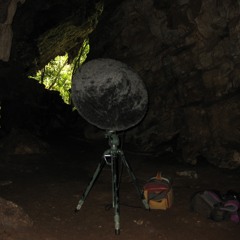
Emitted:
pixel 112 157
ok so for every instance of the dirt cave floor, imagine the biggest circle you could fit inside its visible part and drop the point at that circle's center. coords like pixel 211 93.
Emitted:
pixel 48 188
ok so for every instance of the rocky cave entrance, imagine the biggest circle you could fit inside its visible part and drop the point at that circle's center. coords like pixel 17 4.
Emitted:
pixel 187 53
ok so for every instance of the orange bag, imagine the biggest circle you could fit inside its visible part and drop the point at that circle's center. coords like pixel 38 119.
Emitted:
pixel 158 192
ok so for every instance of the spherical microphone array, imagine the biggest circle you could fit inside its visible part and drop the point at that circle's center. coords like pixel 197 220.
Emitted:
pixel 109 94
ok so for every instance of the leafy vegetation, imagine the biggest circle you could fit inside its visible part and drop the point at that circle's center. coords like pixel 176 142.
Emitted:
pixel 57 74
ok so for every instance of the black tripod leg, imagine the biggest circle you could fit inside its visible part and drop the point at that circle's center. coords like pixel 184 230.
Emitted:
pixel 88 188
pixel 134 179
pixel 115 182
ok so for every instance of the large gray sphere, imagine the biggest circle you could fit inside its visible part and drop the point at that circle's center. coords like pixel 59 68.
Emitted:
pixel 109 95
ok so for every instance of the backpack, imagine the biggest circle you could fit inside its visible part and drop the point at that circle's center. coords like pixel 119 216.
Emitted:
pixel 211 204
pixel 158 192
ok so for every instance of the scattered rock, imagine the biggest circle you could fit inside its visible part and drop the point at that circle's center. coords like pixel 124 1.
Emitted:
pixel 190 174
pixel 138 222
pixel 5 182
pixel 13 216
pixel 21 142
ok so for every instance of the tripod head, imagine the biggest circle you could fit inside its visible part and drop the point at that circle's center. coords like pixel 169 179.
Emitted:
pixel 113 151
pixel 113 139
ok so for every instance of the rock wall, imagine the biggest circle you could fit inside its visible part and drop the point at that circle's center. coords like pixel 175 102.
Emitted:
pixel 186 51
pixel 188 54
pixel 8 9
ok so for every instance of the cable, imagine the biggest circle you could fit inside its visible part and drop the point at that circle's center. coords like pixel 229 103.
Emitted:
pixel 109 206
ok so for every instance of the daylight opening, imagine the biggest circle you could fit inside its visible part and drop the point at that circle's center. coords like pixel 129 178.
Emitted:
pixel 57 74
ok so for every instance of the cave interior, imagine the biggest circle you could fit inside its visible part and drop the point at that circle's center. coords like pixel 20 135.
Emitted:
pixel 187 53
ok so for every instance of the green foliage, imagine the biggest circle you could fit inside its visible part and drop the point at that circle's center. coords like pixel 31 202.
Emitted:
pixel 57 74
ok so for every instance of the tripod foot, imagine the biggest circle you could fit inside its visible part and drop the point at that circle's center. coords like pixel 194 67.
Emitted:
pixel 117 224
pixel 80 203
pixel 145 203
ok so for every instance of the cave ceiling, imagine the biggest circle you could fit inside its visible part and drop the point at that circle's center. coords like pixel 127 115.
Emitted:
pixel 186 51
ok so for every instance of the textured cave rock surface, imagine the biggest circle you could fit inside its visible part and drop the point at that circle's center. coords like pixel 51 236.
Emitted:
pixel 187 52
pixel 13 216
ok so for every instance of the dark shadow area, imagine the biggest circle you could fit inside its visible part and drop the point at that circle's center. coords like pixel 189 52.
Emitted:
pixel 49 186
